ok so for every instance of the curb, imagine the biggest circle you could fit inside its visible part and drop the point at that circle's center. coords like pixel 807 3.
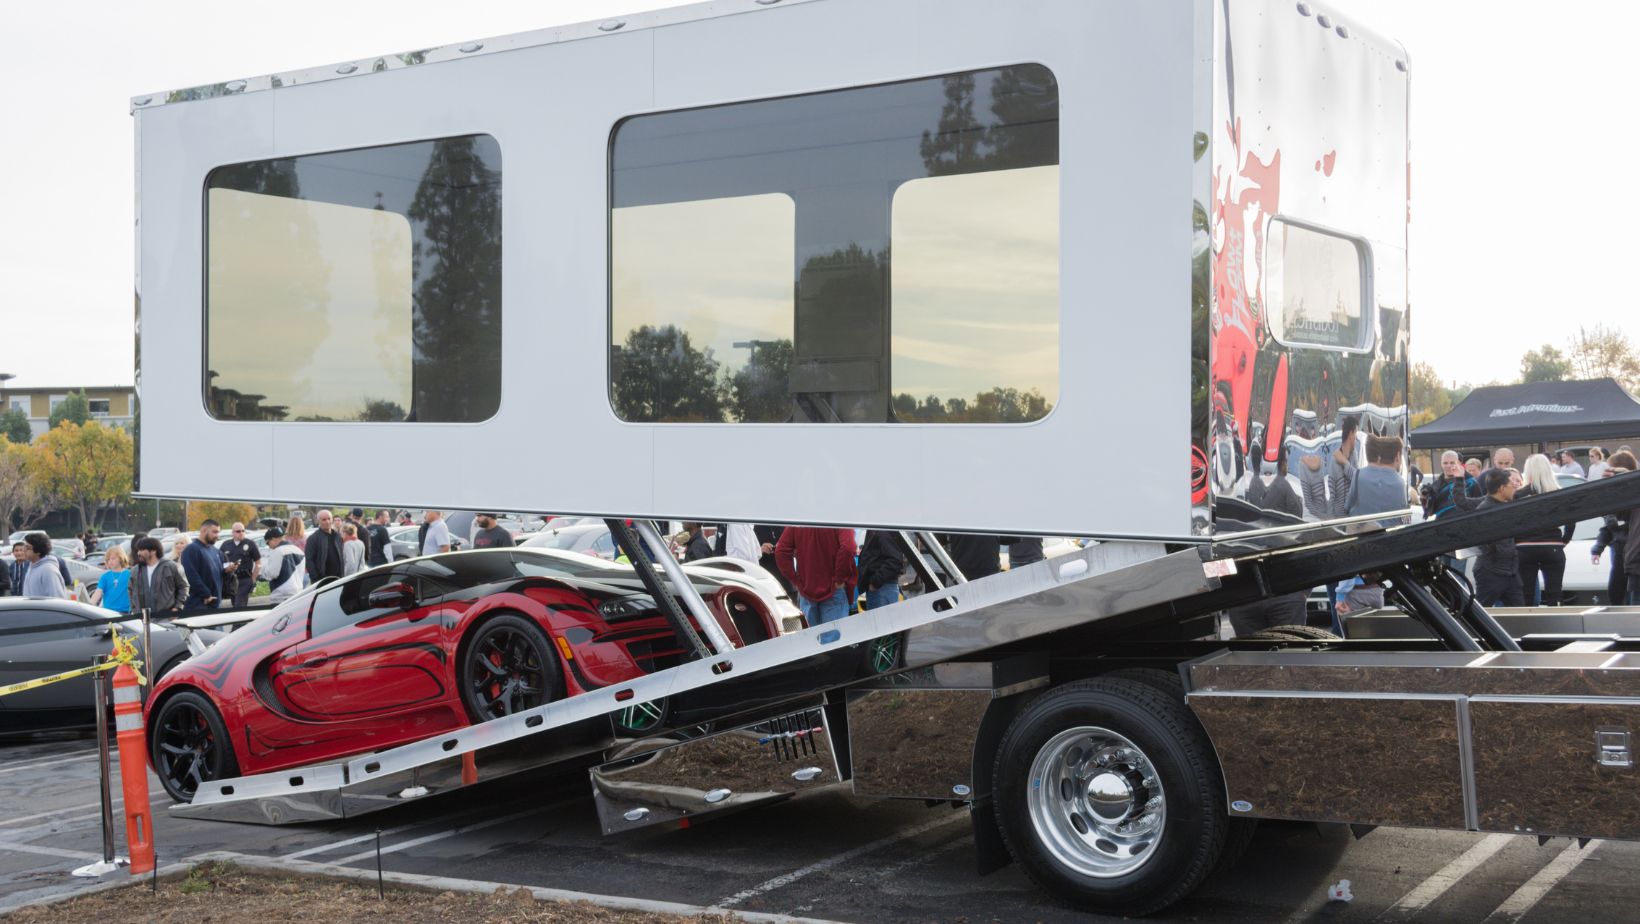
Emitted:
pixel 482 887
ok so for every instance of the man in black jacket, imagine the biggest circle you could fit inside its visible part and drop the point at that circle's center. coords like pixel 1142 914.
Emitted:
pixel 881 561
pixel 1497 573
pixel 380 541
pixel 1454 491
pixel 324 548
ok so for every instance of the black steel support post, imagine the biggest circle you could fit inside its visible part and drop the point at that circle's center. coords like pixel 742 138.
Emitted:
pixel 1471 612
pixel 99 686
pixel 628 539
pixel 1428 610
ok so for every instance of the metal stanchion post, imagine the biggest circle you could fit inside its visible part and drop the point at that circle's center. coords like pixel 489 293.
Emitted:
pixel 147 656
pixel 108 863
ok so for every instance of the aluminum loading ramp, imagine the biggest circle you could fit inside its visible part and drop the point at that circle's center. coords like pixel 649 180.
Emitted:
pixel 1095 583
pixel 1120 584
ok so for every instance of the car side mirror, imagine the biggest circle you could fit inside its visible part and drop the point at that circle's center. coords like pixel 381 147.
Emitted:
pixel 392 596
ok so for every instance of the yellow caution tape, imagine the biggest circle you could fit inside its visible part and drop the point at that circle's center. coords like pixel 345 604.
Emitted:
pixel 125 652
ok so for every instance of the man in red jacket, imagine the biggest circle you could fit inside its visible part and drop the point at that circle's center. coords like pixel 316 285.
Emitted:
pixel 820 564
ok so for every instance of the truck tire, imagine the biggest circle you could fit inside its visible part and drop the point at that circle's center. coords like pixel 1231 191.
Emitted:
pixel 1290 634
pixel 1109 795
pixel 1239 835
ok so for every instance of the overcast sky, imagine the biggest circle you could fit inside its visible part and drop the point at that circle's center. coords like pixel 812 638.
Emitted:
pixel 1520 180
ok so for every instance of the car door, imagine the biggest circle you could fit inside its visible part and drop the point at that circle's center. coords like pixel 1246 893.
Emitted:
pixel 380 671
pixel 37 641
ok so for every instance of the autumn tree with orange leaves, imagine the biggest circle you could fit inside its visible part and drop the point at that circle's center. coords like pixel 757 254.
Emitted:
pixel 87 466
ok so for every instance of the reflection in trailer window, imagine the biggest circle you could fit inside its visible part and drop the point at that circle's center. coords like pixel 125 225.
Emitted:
pixel 360 285
pixel 879 254
pixel 1316 288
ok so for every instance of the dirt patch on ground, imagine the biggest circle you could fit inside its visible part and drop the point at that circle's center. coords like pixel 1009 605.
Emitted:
pixel 222 893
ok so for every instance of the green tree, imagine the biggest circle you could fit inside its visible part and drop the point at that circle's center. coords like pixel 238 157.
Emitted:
pixel 14 426
pixel 660 376
pixel 1605 352
pixel 73 408
pixel 88 467
pixel 1545 365
pixel 457 326
pixel 1428 394
pixel 22 499
pixel 760 391
pixel 380 409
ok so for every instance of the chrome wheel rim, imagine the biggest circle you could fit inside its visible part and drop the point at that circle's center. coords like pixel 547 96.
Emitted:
pixel 1096 802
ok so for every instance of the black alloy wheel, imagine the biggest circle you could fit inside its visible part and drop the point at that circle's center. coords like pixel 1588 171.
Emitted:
pixel 508 667
pixel 190 745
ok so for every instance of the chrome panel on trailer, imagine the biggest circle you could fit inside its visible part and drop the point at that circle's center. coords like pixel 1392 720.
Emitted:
pixel 1604 621
pixel 321 794
pixel 660 781
pixel 912 734
pixel 1308 144
pixel 1514 742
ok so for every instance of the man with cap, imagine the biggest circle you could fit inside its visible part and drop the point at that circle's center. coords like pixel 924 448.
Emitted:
pixel 490 535
pixel 282 566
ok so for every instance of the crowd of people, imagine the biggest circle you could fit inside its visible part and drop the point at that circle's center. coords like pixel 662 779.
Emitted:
pixel 1530 568
pixel 830 574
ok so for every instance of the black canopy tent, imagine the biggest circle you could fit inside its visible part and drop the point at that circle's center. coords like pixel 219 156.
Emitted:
pixel 1537 412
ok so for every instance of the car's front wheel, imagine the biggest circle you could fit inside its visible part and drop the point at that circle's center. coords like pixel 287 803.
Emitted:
pixel 507 667
pixel 190 745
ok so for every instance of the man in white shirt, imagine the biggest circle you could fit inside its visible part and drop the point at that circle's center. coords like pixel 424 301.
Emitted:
pixel 1566 464
pixel 742 543
pixel 435 534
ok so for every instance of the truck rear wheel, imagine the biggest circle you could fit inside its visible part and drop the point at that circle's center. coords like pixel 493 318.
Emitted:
pixel 1109 796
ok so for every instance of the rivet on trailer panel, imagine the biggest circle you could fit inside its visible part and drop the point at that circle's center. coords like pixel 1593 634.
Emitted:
pixel 234 86
pixel 610 25
pixel 346 68
pixel 470 47
pixel 1303 9
pixel 1343 31
pixel 766 2
pixel 1324 21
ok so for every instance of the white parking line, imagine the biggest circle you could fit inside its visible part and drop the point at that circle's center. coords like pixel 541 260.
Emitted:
pixel 1527 896
pixel 52 762
pixel 430 838
pixel 349 842
pixel 1446 877
pixel 67 808
pixel 49 851
pixel 844 857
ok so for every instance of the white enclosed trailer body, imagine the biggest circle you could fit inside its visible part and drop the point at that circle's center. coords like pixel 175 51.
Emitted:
pixel 626 268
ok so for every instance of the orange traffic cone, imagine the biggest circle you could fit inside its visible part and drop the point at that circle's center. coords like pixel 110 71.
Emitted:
pixel 139 822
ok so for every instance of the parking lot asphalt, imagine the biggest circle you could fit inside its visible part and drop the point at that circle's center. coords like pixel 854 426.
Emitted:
pixel 823 855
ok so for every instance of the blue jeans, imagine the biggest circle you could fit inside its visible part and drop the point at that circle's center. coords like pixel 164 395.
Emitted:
pixel 883 596
pixel 830 609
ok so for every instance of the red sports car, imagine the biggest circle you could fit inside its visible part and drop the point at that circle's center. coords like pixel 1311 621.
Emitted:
pixel 417 648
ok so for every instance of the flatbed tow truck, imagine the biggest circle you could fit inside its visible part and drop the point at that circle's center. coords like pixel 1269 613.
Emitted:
pixel 1082 708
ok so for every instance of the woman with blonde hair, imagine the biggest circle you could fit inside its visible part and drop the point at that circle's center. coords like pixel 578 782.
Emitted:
pixel 113 590
pixel 353 550
pixel 1541 550
pixel 296 532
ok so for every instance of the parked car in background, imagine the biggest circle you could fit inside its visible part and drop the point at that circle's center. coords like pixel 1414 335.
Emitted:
pixel 595 541
pixel 41 637
pixel 107 541
pixel 588 539
pixel 404 540
pixel 68 548
pixel 83 573
pixel 516 628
